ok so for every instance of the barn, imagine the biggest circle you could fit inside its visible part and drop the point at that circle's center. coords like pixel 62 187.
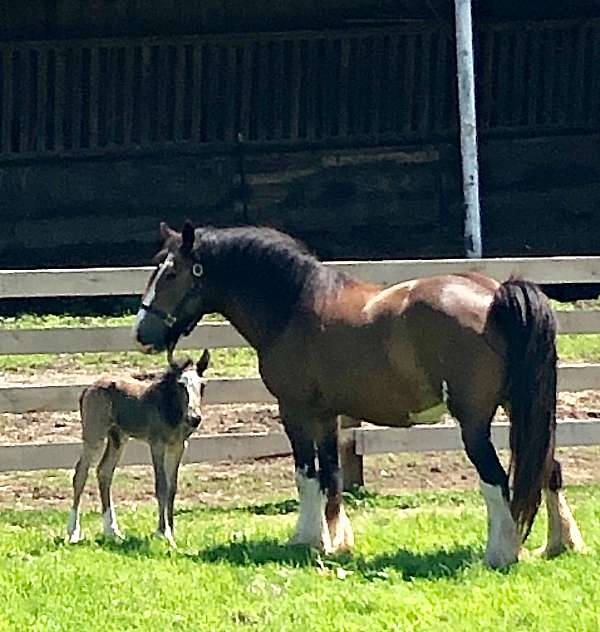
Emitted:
pixel 333 120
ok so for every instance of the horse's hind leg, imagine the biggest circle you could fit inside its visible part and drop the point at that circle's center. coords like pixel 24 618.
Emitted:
pixel 105 473
pixel 312 527
pixel 89 455
pixel 340 529
pixel 503 542
pixel 563 532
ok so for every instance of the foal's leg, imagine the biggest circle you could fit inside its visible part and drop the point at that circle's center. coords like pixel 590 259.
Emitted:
pixel 90 454
pixel 172 460
pixel 563 532
pixel 503 539
pixel 161 488
pixel 340 529
pixel 312 527
pixel 105 472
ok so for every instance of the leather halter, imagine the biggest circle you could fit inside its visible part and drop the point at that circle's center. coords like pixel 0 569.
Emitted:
pixel 170 318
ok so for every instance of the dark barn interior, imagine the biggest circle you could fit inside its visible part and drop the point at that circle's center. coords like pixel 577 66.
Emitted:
pixel 335 121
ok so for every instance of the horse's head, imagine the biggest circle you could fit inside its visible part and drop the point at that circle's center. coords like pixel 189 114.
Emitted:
pixel 173 301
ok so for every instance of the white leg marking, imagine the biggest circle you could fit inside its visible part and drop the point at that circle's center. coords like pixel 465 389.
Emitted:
pixel 312 527
pixel 167 534
pixel 74 527
pixel 503 539
pixel 109 524
pixel 340 530
pixel 563 532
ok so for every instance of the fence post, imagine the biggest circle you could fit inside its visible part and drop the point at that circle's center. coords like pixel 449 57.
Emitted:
pixel 352 463
pixel 468 126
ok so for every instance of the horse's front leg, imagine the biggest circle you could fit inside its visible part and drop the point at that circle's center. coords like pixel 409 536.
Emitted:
pixel 311 527
pixel 322 522
pixel 330 476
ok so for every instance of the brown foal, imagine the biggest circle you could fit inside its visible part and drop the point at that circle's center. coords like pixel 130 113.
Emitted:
pixel 163 413
pixel 329 344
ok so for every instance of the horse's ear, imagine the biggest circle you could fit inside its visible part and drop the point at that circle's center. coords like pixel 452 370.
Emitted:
pixel 187 237
pixel 202 364
pixel 166 231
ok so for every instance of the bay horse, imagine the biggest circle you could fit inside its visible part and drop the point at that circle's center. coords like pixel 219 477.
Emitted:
pixel 163 413
pixel 328 344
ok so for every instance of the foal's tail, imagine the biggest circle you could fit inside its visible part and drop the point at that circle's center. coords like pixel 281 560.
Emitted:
pixel 525 318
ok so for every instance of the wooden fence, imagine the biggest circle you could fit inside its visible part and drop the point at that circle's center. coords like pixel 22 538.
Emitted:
pixel 128 281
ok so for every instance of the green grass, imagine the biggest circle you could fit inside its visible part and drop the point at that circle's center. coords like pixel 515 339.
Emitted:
pixel 417 566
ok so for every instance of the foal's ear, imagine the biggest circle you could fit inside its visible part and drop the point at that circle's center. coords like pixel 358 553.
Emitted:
pixel 202 364
pixel 187 237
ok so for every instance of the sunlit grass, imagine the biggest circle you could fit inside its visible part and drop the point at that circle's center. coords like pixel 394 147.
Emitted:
pixel 417 566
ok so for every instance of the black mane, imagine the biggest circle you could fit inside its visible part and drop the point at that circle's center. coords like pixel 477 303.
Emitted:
pixel 266 264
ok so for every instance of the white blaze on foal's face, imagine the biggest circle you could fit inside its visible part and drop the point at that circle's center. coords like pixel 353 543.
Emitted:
pixel 194 385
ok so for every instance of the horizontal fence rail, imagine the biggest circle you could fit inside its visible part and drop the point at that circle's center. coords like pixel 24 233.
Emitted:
pixel 238 447
pixel 131 281
pixel 205 336
pixel 63 397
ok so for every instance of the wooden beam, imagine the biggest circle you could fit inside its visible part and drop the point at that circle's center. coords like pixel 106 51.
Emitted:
pixel 238 447
pixel 202 448
pixel 468 126
pixel 131 281
pixel 205 336
pixel 436 438
pixel 103 339
pixel 56 397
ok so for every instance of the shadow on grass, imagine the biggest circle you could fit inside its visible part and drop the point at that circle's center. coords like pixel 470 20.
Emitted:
pixel 431 564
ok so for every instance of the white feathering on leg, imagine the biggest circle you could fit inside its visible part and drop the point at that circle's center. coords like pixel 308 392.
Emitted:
pixel 503 543
pixel 312 527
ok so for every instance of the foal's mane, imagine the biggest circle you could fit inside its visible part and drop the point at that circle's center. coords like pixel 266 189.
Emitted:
pixel 265 263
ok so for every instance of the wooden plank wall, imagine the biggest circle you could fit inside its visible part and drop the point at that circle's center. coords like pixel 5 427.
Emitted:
pixel 376 85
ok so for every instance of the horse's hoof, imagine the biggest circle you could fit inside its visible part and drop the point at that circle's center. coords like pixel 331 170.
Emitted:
pixel 500 560
pixel 558 549
pixel 321 546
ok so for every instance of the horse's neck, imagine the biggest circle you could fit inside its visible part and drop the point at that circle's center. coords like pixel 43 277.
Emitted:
pixel 253 321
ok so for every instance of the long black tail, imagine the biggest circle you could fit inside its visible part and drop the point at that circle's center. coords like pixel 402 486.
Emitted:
pixel 524 316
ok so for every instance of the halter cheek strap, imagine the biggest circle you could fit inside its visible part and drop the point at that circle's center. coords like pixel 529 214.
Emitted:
pixel 170 318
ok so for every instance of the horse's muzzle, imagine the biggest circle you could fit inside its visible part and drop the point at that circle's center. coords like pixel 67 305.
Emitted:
pixel 151 333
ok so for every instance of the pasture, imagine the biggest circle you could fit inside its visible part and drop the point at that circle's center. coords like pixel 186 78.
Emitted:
pixel 417 566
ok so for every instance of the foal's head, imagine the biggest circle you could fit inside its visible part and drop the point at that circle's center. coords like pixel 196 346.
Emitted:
pixel 190 377
pixel 172 302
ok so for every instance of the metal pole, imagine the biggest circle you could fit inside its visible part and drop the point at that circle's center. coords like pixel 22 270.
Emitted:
pixel 468 126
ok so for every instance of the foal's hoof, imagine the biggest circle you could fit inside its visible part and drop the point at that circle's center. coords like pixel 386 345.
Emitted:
pixel 166 536
pixel 74 537
pixel 114 535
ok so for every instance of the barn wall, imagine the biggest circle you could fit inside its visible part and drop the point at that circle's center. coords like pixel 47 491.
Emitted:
pixel 539 196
